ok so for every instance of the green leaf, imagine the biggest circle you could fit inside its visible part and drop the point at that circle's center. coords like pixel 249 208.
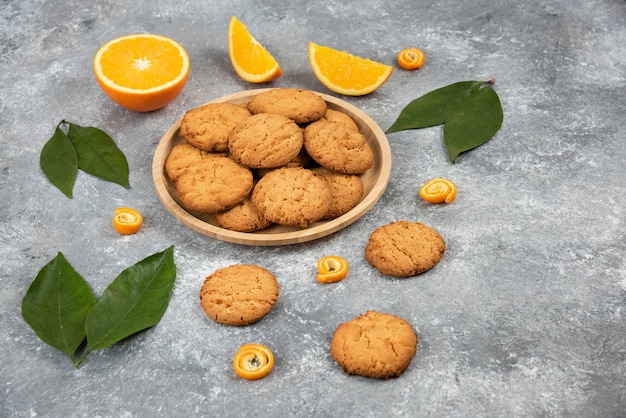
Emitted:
pixel 472 121
pixel 134 301
pixel 432 108
pixel 98 155
pixel 56 305
pixel 59 162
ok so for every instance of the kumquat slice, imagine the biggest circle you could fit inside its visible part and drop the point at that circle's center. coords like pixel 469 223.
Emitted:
pixel 411 59
pixel 332 269
pixel 127 221
pixel 438 190
pixel 253 361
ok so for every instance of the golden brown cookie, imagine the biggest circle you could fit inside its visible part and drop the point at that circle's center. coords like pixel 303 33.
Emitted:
pixel 213 185
pixel 404 249
pixel 207 127
pixel 374 345
pixel 302 106
pixel 347 190
pixel 292 196
pixel 240 294
pixel 265 140
pixel 338 116
pixel 337 148
pixel 243 217
pixel 180 158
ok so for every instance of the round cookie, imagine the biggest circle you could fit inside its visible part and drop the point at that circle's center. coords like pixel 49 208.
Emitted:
pixel 347 190
pixel 292 196
pixel 338 116
pixel 265 140
pixel 404 249
pixel 240 294
pixel 374 345
pixel 302 106
pixel 213 185
pixel 335 147
pixel 243 217
pixel 207 127
pixel 180 158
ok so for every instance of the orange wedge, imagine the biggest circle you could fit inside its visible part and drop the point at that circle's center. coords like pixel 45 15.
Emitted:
pixel 250 60
pixel 142 72
pixel 345 73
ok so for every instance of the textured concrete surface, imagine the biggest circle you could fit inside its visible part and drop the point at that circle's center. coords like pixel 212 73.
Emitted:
pixel 523 317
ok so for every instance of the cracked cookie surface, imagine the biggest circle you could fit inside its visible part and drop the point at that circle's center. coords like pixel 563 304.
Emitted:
pixel 303 106
pixel 374 345
pixel 207 127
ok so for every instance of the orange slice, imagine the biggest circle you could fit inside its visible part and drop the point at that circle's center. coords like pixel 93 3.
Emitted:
pixel 411 59
pixel 345 73
pixel 253 361
pixel 332 269
pixel 127 221
pixel 250 60
pixel 142 72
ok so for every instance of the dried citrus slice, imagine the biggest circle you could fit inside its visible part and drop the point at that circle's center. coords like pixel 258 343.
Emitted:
pixel 253 361
pixel 411 59
pixel 332 269
pixel 438 190
pixel 142 72
pixel 345 73
pixel 250 60
pixel 127 221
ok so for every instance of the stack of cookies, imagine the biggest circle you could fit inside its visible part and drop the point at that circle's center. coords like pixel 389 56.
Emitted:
pixel 283 158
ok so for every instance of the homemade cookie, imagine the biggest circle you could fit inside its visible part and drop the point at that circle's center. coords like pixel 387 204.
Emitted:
pixel 338 116
pixel 180 158
pixel 207 127
pixel 347 190
pixel 265 140
pixel 213 185
pixel 374 345
pixel 292 196
pixel 239 294
pixel 302 106
pixel 337 148
pixel 243 217
pixel 404 249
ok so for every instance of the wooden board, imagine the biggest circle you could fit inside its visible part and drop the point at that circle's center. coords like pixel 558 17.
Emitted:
pixel 374 181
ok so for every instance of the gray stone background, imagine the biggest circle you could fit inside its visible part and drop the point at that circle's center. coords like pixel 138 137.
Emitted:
pixel 523 317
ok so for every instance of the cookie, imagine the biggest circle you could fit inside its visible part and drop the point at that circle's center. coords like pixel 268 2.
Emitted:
pixel 213 185
pixel 207 127
pixel 302 160
pixel 303 106
pixel 404 249
pixel 243 217
pixel 265 140
pixel 347 190
pixel 240 294
pixel 292 196
pixel 180 158
pixel 338 116
pixel 333 146
pixel 374 345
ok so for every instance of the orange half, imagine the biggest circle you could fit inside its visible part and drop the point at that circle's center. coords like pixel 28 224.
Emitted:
pixel 345 73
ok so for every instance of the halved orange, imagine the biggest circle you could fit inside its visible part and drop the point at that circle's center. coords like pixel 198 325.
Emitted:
pixel 250 60
pixel 345 73
pixel 142 72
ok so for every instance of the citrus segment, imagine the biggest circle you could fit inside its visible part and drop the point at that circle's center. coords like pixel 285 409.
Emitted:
pixel 250 60
pixel 142 72
pixel 345 73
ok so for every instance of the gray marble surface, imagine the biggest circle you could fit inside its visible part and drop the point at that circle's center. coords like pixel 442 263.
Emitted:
pixel 523 317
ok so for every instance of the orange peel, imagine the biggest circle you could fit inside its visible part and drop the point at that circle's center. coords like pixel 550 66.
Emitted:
pixel 253 361
pixel 438 190
pixel 411 59
pixel 332 269
pixel 127 221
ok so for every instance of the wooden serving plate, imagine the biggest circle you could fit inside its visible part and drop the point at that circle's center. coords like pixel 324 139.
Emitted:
pixel 374 181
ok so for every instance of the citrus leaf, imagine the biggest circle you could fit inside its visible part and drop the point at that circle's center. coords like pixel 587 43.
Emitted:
pixel 432 108
pixel 134 301
pixel 59 162
pixel 56 304
pixel 472 121
pixel 98 155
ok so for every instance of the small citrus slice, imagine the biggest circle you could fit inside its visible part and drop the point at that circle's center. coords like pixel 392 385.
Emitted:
pixel 253 361
pixel 142 72
pixel 250 60
pixel 345 73
pixel 332 269
pixel 438 190
pixel 127 221
pixel 411 59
